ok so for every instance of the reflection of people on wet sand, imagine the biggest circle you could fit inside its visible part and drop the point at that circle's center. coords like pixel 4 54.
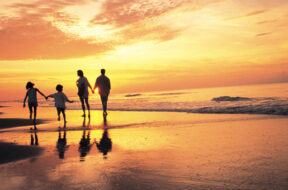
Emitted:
pixel 34 139
pixel 62 144
pixel 60 99
pixel 104 86
pixel 105 120
pixel 84 145
pixel 83 84
pixel 105 144
pixel 32 99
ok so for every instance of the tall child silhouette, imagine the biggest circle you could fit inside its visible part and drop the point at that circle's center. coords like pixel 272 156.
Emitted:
pixel 32 99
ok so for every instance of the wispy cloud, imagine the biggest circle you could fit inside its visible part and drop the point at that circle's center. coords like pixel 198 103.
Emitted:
pixel 253 13
pixel 142 19
pixel 36 29
pixel 267 21
pixel 263 34
pixel 33 35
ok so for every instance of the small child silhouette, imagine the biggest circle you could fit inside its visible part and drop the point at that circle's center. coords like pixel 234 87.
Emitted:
pixel 60 99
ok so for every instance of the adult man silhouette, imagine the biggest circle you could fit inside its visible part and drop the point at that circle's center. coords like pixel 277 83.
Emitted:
pixel 104 86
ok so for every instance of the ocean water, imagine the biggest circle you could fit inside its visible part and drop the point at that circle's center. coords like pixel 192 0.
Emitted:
pixel 254 99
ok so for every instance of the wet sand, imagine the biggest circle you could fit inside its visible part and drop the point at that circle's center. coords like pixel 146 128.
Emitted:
pixel 16 122
pixel 10 152
pixel 150 150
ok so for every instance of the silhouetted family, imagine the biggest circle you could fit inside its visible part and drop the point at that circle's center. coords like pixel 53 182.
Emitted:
pixel 102 84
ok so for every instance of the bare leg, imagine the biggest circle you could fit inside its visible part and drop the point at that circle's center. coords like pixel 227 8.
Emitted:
pixel 58 113
pixel 104 100
pixel 35 113
pixel 64 115
pixel 88 106
pixel 30 110
pixel 83 106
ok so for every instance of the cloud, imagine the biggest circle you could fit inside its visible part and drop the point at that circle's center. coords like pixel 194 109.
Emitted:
pixel 267 21
pixel 123 12
pixel 33 35
pixel 30 37
pixel 253 13
pixel 34 31
pixel 145 19
pixel 263 34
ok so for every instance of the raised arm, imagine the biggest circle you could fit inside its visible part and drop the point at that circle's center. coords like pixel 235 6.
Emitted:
pixel 25 99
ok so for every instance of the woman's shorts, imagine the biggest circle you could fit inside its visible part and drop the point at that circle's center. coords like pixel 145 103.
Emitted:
pixel 32 104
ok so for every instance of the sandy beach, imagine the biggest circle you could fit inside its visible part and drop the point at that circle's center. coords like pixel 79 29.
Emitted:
pixel 147 150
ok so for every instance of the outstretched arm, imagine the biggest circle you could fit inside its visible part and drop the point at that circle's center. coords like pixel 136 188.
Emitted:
pixel 41 93
pixel 50 96
pixel 90 87
pixel 66 98
pixel 25 99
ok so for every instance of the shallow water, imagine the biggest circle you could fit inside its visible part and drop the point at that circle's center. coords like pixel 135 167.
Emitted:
pixel 269 99
pixel 151 150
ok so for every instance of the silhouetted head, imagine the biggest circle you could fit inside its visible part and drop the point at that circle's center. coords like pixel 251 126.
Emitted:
pixel 29 85
pixel 80 73
pixel 59 88
pixel 103 71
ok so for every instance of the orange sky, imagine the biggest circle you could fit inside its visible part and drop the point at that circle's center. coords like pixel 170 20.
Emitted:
pixel 145 45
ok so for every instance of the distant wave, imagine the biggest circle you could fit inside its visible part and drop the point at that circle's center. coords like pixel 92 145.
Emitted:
pixel 132 95
pixel 170 93
pixel 258 109
pixel 229 98
pixel 274 110
pixel 222 104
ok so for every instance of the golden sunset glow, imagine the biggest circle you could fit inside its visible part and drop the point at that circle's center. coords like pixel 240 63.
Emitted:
pixel 143 45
